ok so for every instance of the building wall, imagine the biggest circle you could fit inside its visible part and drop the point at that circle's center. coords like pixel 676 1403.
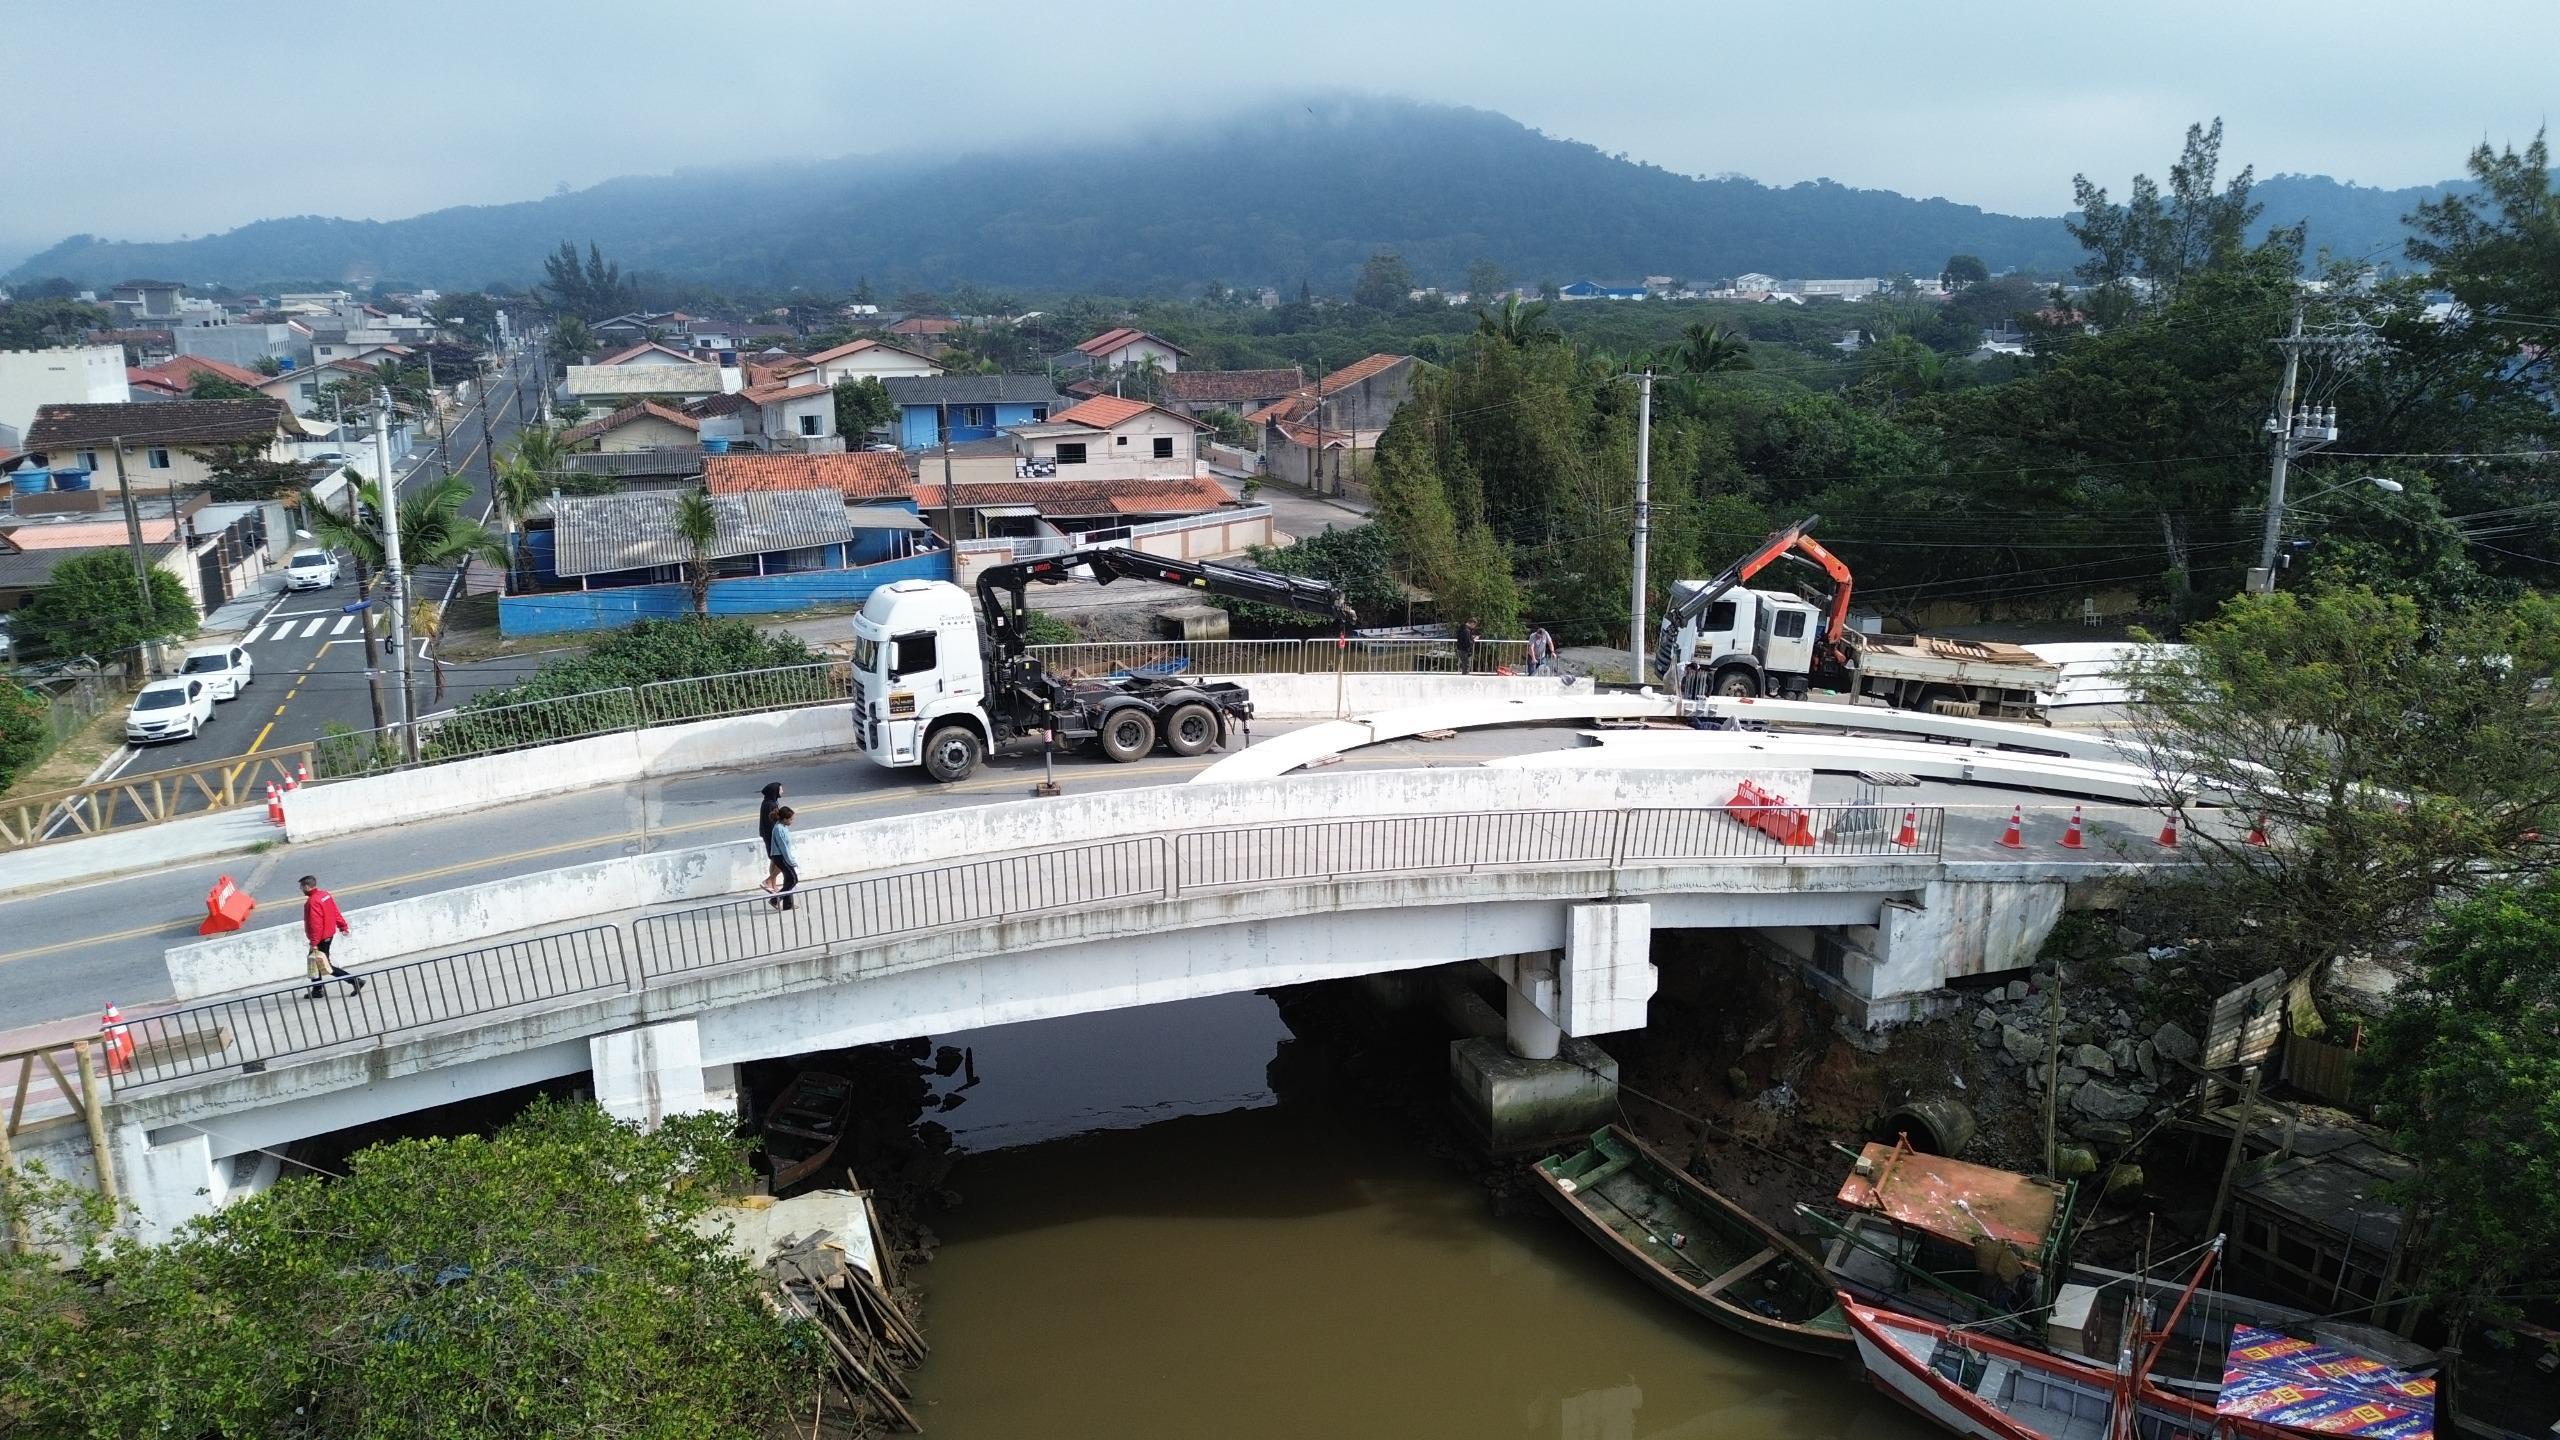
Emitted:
pixel 1136 353
pixel 782 418
pixel 244 345
pixel 918 424
pixel 648 432
pixel 1370 404
pixel 1126 451
pixel 567 611
pixel 876 365
pixel 69 375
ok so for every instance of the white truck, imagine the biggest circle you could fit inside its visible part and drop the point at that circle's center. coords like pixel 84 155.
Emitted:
pixel 1720 637
pixel 939 682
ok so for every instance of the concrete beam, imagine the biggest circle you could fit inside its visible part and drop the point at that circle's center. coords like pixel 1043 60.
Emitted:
pixel 649 1073
pixel 1605 976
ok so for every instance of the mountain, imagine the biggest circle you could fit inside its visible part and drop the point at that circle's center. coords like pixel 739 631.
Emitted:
pixel 1269 196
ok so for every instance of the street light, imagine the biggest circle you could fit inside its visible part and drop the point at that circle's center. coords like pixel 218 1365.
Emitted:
pixel 2383 483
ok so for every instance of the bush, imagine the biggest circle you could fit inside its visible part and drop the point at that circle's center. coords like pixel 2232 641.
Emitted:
pixel 24 735
pixel 1044 629
pixel 649 652
pixel 1355 559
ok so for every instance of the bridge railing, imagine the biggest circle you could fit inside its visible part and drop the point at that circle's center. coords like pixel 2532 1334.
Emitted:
pixel 248 1032
pixel 146 799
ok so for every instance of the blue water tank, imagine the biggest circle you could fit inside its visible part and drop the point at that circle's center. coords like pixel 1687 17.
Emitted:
pixel 30 479
pixel 715 444
pixel 70 477
pixel 284 364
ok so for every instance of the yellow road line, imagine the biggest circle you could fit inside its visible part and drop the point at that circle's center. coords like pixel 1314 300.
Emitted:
pixel 262 734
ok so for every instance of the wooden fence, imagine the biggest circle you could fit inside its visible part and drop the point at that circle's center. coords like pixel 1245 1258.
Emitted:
pixel 150 799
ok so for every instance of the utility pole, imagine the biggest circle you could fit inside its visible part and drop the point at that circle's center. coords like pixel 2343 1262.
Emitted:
pixel 150 656
pixel 950 492
pixel 1315 459
pixel 399 585
pixel 2291 432
pixel 1636 646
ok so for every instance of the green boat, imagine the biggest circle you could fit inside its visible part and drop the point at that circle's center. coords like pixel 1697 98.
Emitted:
pixel 1695 1246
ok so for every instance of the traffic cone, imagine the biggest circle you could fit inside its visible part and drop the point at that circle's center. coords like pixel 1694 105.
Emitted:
pixel 302 771
pixel 275 804
pixel 290 784
pixel 2257 831
pixel 2169 833
pixel 2015 839
pixel 1908 837
pixel 119 1041
pixel 2071 838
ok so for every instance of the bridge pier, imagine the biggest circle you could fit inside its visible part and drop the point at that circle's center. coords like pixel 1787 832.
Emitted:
pixel 651 1072
pixel 1542 1083
pixel 168 1183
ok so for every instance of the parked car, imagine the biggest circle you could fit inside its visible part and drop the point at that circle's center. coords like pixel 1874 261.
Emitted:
pixel 171 709
pixel 330 457
pixel 226 670
pixel 310 570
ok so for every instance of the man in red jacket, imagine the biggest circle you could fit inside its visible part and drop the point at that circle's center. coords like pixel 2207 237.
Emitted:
pixel 322 923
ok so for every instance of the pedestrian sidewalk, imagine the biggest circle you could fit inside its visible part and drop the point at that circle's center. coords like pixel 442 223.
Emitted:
pixel 245 610
pixel 144 849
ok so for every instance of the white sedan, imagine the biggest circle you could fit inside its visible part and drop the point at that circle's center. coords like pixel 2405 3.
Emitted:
pixel 226 670
pixel 171 709
pixel 311 570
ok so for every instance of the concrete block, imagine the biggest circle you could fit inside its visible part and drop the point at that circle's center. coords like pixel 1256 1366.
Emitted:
pixel 652 1072
pixel 1513 1104
pixel 1606 974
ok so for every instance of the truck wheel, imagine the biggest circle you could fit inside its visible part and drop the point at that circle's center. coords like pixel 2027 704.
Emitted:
pixel 951 752
pixel 1737 684
pixel 1190 730
pixel 1129 734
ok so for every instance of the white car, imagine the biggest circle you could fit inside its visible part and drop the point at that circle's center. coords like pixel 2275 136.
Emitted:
pixel 171 709
pixel 311 570
pixel 226 670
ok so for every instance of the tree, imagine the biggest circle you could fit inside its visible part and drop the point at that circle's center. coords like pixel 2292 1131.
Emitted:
pixel 1516 324
pixel 472 316
pixel 543 1280
pixel 1484 280
pixel 1227 426
pixel 2163 241
pixel 1385 282
pixel 2498 249
pixel 1359 560
pixel 434 533
pixel 27 324
pixel 2465 1069
pixel 208 386
pixel 571 342
pixel 25 734
pixel 94 605
pixel 243 470
pixel 2394 758
pixel 862 406
pixel 527 469
pixel 697 524
pixel 1963 270
pixel 1710 349
pixel 592 291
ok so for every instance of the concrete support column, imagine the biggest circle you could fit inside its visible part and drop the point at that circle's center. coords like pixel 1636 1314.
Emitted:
pixel 1527 1027
pixel 646 1074
pixel 1605 978
pixel 166 1185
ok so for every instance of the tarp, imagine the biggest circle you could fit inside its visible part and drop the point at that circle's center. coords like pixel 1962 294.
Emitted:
pixel 2277 1379
pixel 1955 1200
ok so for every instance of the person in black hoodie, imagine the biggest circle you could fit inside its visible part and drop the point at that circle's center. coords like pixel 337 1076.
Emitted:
pixel 764 834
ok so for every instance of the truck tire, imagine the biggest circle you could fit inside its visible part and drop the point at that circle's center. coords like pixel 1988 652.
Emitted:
pixel 1128 733
pixel 951 752
pixel 1192 729
pixel 1738 684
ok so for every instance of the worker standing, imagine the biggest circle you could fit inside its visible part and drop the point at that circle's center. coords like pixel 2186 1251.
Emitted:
pixel 1468 632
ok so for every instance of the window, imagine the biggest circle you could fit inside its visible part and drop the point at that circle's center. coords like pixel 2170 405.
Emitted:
pixel 1039 413
pixel 1070 452
pixel 1789 625
pixel 913 655
pixel 1164 447
pixel 808 424
pixel 973 416
pixel 157 457
pixel 89 461
pixel 1719 618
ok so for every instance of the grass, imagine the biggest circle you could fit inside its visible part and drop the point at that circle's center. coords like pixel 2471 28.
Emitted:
pixel 71 764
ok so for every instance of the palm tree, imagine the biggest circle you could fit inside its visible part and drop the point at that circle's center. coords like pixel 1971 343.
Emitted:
pixel 434 533
pixel 1707 349
pixel 1517 324
pixel 697 524
pixel 524 474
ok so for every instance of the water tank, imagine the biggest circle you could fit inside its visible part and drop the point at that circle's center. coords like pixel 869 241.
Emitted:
pixel 30 479
pixel 284 364
pixel 70 477
pixel 715 444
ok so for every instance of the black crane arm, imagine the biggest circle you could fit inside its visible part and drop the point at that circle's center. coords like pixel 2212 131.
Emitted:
pixel 1002 588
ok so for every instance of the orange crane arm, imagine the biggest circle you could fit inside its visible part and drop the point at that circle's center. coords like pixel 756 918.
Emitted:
pixel 1836 622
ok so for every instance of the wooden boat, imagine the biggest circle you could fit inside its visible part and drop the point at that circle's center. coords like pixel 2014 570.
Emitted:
pixel 1987 1388
pixel 1692 1244
pixel 806 1125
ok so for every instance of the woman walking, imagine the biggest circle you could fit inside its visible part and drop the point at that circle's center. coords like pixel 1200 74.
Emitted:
pixel 764 833
pixel 784 862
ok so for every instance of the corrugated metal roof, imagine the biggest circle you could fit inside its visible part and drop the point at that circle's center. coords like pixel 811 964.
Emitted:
pixel 644 379
pixel 972 390
pixel 602 533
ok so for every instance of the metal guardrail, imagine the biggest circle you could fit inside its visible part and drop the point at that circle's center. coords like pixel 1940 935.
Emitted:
pixel 146 799
pixel 249 1032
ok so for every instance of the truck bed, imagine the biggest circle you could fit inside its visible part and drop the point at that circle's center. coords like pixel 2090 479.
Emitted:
pixel 1943 660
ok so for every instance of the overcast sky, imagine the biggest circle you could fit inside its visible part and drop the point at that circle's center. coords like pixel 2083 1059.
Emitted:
pixel 154 119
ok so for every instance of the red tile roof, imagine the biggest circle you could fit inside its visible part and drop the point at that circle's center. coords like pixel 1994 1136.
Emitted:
pixel 1104 411
pixel 1359 370
pixel 183 369
pixel 1110 340
pixel 1078 498
pixel 139 378
pixel 858 475
pixel 625 416
pixel 925 325
pixel 768 394
pixel 1231 387
pixel 1299 404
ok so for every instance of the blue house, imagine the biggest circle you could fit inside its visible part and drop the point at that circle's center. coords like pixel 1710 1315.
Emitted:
pixel 1593 290
pixel 974 407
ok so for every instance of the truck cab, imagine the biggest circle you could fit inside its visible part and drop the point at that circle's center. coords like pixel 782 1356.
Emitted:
pixel 918 670
pixel 1751 642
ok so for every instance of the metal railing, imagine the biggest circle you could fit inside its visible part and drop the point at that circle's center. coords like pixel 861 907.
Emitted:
pixel 248 1032
pixel 472 732
pixel 146 799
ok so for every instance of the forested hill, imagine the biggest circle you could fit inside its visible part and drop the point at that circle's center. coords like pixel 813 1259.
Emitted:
pixel 1282 194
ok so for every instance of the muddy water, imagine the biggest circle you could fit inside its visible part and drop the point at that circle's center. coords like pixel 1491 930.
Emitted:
pixel 1156 1241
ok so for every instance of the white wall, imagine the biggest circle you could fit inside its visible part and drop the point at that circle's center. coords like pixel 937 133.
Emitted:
pixel 70 375
pixel 876 365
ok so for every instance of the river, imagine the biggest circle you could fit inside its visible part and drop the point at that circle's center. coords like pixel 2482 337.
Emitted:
pixel 1155 1243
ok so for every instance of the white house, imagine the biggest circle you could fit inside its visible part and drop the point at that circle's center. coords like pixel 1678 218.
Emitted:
pixel 1123 347
pixel 164 445
pixel 301 389
pixel 647 425
pixel 648 352
pixel 1755 281
pixel 1110 438
pixel 798 417
pixel 870 360
pixel 69 375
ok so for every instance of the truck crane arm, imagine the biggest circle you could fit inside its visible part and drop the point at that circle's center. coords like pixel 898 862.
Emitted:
pixel 1002 588
pixel 1677 638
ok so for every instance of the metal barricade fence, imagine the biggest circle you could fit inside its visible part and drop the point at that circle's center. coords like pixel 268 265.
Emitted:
pixel 747 692
pixel 1187 657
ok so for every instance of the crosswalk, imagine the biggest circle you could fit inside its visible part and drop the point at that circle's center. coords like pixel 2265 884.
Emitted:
pixel 294 627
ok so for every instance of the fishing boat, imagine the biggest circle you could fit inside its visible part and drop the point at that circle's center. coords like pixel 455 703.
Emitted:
pixel 1931 1235
pixel 806 1125
pixel 1692 1244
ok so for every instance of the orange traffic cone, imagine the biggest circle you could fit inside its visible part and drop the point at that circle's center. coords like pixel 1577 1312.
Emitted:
pixel 2014 838
pixel 119 1041
pixel 2071 838
pixel 289 784
pixel 275 804
pixel 1908 837
pixel 302 771
pixel 2169 833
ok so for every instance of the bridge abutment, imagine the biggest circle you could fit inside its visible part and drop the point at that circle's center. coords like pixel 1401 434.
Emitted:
pixel 648 1073
pixel 1542 1083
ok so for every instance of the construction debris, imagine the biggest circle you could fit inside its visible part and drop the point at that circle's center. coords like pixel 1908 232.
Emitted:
pixel 825 1256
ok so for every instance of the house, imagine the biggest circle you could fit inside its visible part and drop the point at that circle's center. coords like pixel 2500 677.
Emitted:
pixel 244 343
pixel 163 445
pixel 145 384
pixel 647 352
pixel 927 327
pixel 177 375
pixel 68 374
pixel 141 347
pixel 1122 348
pixel 1837 289
pixel 870 360
pixel 796 416
pixel 739 335
pixel 1020 508
pixel 1196 392
pixel 771 369
pixel 302 390
pixel 1322 436
pixel 329 345
pixel 1110 438
pixel 619 385
pixel 145 302
pixel 967 407
pixel 630 327
pixel 215 551
pixel 1754 280
pixel 28 568
pixel 1594 290
pixel 865 480
pixel 643 425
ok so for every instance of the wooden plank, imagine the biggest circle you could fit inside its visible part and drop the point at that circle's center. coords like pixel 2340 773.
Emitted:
pixel 1738 1272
